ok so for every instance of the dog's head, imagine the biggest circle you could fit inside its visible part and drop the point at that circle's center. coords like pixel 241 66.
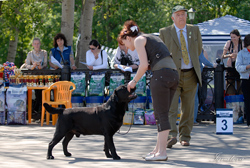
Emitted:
pixel 121 94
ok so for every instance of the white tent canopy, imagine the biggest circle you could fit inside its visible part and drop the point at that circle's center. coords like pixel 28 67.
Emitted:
pixel 218 30
pixel 215 33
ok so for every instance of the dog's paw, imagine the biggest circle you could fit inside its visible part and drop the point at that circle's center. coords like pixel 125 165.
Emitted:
pixel 67 154
pixel 108 155
pixel 116 157
pixel 50 157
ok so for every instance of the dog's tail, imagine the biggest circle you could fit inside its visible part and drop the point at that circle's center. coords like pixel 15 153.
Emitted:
pixel 53 110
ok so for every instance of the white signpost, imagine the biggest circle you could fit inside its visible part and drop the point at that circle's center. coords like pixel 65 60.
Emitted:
pixel 224 121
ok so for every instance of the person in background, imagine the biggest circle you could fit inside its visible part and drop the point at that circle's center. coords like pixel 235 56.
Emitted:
pixel 61 52
pixel 96 58
pixel 232 47
pixel 185 43
pixel 203 62
pixel 163 83
pixel 36 59
pixel 230 51
pixel 242 65
pixel 125 58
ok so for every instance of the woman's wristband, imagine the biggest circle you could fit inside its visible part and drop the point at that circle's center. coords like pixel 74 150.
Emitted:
pixel 134 81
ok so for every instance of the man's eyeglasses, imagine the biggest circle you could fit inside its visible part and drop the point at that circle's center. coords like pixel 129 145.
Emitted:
pixel 92 48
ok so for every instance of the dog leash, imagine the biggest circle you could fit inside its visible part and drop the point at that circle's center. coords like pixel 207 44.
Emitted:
pixel 118 132
pixel 129 126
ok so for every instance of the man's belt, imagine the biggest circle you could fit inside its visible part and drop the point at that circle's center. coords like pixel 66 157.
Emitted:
pixel 187 70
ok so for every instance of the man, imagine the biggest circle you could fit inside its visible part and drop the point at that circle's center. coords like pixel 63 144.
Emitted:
pixel 125 58
pixel 185 43
pixel 37 59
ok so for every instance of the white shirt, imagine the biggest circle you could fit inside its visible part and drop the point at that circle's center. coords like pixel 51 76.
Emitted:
pixel 178 32
pixel 99 63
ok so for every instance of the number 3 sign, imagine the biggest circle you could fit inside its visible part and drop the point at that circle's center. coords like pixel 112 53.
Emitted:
pixel 224 121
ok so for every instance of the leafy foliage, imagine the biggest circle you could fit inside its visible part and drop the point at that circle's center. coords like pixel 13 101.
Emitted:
pixel 42 18
pixel 30 18
pixel 110 15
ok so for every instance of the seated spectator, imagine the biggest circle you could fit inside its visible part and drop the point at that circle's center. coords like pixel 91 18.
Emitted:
pixel 36 59
pixel 61 52
pixel 230 51
pixel 232 47
pixel 125 58
pixel 96 58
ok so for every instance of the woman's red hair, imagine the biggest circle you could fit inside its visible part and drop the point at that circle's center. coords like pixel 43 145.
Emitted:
pixel 126 31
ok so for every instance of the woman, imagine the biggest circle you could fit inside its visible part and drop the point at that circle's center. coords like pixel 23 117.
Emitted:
pixel 243 67
pixel 95 57
pixel 164 81
pixel 36 59
pixel 230 51
pixel 61 52
pixel 232 47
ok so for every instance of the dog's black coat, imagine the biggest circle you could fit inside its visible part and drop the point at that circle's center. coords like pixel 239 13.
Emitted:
pixel 105 119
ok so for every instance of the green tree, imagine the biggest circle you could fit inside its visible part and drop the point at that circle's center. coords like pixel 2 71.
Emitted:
pixel 110 15
pixel 42 18
pixel 22 18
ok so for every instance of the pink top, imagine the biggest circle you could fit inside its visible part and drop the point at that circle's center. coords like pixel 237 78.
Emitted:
pixel 235 50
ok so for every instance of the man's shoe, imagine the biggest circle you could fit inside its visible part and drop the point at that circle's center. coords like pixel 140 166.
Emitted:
pixel 171 142
pixel 185 143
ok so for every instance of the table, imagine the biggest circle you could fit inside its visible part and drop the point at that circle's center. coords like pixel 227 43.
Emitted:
pixel 29 99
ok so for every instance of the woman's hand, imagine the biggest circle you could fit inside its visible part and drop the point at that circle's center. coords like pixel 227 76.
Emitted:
pixel 96 56
pixel 73 67
pixel 40 66
pixel 90 67
pixel 233 55
pixel 131 85
pixel 34 65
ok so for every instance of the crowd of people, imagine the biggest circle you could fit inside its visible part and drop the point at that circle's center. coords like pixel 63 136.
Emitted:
pixel 176 59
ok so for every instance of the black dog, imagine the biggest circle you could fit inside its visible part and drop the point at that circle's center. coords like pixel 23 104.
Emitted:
pixel 105 119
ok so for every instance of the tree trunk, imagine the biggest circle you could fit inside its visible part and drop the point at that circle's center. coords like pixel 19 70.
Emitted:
pixel 79 41
pixel 67 23
pixel 12 49
pixel 86 29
